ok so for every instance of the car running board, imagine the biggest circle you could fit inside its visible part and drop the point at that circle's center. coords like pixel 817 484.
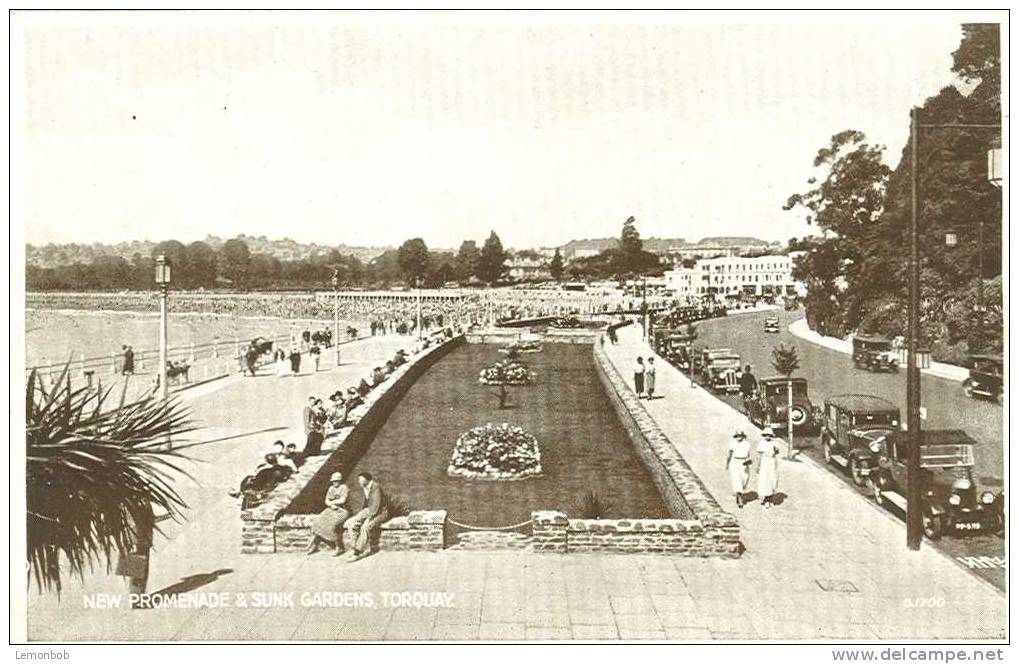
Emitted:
pixel 840 460
pixel 895 499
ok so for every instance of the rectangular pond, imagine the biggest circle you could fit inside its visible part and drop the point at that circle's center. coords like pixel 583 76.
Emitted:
pixel 583 445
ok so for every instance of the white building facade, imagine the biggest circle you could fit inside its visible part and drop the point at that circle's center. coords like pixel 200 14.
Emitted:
pixel 735 277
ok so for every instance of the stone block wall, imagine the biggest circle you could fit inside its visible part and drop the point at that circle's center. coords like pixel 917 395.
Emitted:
pixel 423 530
pixel 266 528
pixel 701 526
pixel 549 531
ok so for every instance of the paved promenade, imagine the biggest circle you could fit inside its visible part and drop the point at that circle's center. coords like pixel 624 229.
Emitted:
pixel 823 536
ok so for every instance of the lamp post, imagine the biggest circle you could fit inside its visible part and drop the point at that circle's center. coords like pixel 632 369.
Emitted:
pixel 915 491
pixel 336 313
pixel 643 303
pixel 417 282
pixel 163 281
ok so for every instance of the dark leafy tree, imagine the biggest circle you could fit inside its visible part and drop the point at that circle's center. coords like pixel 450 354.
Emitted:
pixel 235 259
pixel 467 261
pixel 492 261
pixel 413 259
pixel 556 266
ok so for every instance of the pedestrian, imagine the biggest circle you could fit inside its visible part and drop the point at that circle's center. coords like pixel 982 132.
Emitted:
pixel 251 358
pixel 747 383
pixel 312 429
pixel 650 375
pixel 133 563
pixel 128 368
pixel 371 516
pixel 315 353
pixel 327 527
pixel 295 359
pixel 737 463
pixel 767 467
pixel 280 362
pixel 638 377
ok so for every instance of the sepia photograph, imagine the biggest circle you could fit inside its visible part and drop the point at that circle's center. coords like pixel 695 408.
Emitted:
pixel 510 327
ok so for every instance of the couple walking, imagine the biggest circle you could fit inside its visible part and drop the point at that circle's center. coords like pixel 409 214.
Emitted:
pixel 739 461
pixel 644 378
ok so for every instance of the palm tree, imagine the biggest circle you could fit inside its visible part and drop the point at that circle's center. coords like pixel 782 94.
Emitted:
pixel 91 469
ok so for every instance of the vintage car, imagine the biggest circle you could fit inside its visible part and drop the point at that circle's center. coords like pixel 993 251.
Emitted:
pixel 770 406
pixel 718 368
pixel 791 304
pixel 951 501
pixel 674 344
pixel 771 324
pixel 985 377
pixel 853 429
pixel 874 353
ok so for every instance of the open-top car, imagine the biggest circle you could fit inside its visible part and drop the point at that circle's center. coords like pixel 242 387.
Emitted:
pixel 770 406
pixel 771 325
pixel 874 353
pixel 952 502
pixel 719 367
pixel 853 429
pixel 985 377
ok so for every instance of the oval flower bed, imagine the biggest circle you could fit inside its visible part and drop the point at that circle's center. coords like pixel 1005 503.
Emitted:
pixel 495 452
pixel 506 372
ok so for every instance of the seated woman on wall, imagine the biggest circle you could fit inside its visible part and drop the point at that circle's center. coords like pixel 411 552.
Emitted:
pixel 337 410
pixel 328 525
pixel 363 388
pixel 378 376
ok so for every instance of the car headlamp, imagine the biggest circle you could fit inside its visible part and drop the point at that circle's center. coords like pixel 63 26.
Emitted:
pixel 955 499
pixel 875 447
pixel 987 498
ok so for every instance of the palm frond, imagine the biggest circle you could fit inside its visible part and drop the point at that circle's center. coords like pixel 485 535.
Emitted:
pixel 90 467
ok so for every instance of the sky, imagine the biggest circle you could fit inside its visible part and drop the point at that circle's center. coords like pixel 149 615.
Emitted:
pixel 368 129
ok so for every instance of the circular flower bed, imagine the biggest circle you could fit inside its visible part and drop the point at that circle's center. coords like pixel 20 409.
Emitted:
pixel 566 323
pixel 495 452
pixel 522 347
pixel 507 372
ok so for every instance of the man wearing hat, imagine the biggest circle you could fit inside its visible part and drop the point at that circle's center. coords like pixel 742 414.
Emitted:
pixel 738 464
pixel 767 467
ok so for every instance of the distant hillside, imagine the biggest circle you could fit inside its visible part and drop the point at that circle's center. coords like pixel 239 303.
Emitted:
pixel 53 255
pixel 660 245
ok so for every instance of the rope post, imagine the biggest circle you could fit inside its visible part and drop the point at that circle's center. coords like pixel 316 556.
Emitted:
pixel 113 363
pixel 192 357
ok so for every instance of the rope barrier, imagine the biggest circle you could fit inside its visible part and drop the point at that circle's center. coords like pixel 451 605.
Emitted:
pixel 467 527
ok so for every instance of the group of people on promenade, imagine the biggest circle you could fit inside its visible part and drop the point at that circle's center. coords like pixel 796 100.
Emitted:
pixel 339 516
pixel 739 462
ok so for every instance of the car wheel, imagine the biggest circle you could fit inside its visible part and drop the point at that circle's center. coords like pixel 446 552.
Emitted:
pixel 932 526
pixel 875 490
pixel 967 389
pixel 799 416
pixel 855 472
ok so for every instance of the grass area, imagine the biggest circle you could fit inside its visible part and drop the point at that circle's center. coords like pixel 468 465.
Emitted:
pixel 583 445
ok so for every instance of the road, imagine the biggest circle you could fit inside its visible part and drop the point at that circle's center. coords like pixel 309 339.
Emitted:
pixel 829 372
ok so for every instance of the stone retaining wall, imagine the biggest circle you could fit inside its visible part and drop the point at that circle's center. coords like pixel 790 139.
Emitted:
pixel 423 530
pixel 266 528
pixel 710 532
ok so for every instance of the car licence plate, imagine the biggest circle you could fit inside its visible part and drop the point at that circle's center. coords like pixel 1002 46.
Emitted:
pixel 967 526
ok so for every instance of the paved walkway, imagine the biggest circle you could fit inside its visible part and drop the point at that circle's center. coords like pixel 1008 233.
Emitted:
pixel 800 329
pixel 823 534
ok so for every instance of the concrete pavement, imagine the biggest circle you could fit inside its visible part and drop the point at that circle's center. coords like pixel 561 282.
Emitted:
pixel 823 534
pixel 823 565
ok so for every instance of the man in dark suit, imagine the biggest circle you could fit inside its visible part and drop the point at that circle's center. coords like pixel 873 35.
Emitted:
pixel 374 513
pixel 312 430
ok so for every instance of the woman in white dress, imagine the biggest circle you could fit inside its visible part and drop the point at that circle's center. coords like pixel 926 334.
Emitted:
pixel 738 464
pixel 767 468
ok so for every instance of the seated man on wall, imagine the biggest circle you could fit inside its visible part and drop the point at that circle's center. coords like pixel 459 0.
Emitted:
pixel 374 513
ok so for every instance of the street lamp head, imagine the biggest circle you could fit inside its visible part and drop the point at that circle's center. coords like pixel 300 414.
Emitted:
pixel 162 271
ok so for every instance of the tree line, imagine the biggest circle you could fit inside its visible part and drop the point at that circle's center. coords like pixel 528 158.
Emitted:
pixel 856 270
pixel 233 266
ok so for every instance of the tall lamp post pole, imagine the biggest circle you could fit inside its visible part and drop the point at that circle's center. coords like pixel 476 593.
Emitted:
pixel 915 491
pixel 417 282
pixel 336 314
pixel 163 281
pixel 643 304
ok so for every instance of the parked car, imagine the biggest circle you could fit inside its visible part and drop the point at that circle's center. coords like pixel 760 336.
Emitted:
pixel 874 353
pixel 791 304
pixel 771 324
pixel 985 377
pixel 951 502
pixel 770 406
pixel 719 367
pixel 852 432
pixel 674 344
